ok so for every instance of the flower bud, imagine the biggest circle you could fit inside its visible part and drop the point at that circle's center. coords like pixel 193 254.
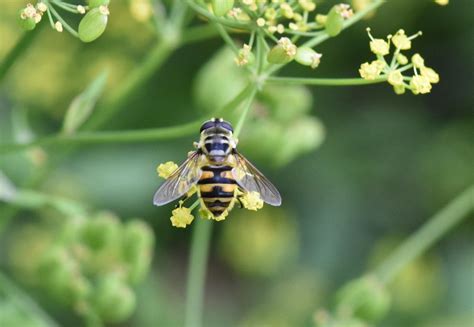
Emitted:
pixel 283 52
pixel 222 7
pixel 399 89
pixel 138 243
pixel 334 22
pixel 321 19
pixel 27 23
pixel 365 298
pixel 101 231
pixel 97 3
pixel 114 300
pixel 402 59
pixel 308 57
pixel 93 24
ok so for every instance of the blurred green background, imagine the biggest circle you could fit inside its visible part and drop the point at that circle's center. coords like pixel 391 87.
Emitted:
pixel 386 165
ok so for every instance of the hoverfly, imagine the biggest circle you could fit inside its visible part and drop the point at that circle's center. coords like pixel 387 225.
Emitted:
pixel 221 174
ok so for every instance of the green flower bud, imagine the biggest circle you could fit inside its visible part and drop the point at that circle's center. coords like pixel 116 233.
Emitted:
pixel 399 89
pixel 334 22
pixel 280 98
pixel 221 7
pixel 402 59
pixel 308 57
pixel 138 243
pixel 113 300
pixel 26 23
pixel 366 298
pixel 61 276
pixel 97 3
pixel 101 231
pixel 93 24
pixel 283 52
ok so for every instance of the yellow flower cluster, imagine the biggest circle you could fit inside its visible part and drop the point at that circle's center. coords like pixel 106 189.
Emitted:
pixel 182 216
pixel 282 21
pixel 423 77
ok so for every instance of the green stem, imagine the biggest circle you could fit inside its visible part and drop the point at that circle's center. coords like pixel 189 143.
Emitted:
pixel 347 23
pixel 23 301
pixel 199 33
pixel 142 135
pixel 243 117
pixel 197 273
pixel 427 235
pixel 323 81
pixel 62 21
pixel 107 137
pixel 219 20
pixel 15 53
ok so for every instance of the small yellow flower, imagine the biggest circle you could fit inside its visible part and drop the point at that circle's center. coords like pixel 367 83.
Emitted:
pixel 286 10
pixel 261 22
pixel 379 47
pixel 321 19
pixel 399 89
pixel 244 55
pixel 429 73
pixel 402 59
pixel 204 212
pixel 344 10
pixel 371 71
pixel 81 9
pixel 41 6
pixel 181 217
pixel 418 60
pixel 166 169
pixel 401 41
pixel 288 46
pixel 234 13
pixel 307 5
pixel 420 84
pixel 252 201
pixel 104 10
pixel 58 26
pixel 270 13
pixel 395 78
pixel 442 2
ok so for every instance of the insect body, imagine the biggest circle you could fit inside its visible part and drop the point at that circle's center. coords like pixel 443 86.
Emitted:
pixel 222 174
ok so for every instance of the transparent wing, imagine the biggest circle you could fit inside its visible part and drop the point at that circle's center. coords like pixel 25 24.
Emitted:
pixel 251 179
pixel 180 181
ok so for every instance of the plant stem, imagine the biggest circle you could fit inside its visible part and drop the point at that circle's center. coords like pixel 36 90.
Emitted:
pixel 22 44
pixel 197 273
pixel 248 105
pixel 142 135
pixel 324 81
pixel 427 235
pixel 219 20
pixel 22 300
pixel 199 33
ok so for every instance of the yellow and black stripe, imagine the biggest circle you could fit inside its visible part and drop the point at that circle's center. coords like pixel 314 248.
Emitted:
pixel 217 188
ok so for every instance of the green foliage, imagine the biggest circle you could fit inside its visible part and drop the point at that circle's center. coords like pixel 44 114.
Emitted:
pixel 82 105
pixel 89 263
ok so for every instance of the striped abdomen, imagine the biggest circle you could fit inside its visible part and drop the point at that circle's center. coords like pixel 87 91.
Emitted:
pixel 217 188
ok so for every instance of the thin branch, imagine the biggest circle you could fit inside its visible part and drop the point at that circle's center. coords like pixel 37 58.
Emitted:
pixel 441 223
pixel 324 81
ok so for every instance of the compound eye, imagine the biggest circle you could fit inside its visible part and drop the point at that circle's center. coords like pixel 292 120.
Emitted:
pixel 206 125
pixel 227 126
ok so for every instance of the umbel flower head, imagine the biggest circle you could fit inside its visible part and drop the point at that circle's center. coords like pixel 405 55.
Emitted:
pixel 182 216
pixel 91 26
pixel 392 69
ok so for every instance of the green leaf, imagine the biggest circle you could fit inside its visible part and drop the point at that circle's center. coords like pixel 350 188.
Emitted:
pixel 82 106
